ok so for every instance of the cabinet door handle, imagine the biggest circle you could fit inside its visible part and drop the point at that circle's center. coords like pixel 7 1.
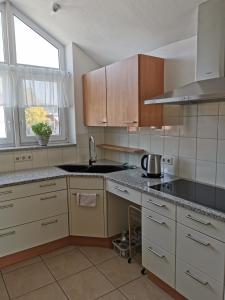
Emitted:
pixel 130 122
pixel 102 122
pixel 189 236
pixel 6 206
pixel 48 198
pixel 49 223
pixel 8 233
pixel 198 220
pixel 155 220
pixel 6 193
pixel 47 185
pixel 155 203
pixel 156 253
pixel 121 190
pixel 196 278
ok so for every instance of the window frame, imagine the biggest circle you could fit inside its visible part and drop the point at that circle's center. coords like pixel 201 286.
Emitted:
pixel 9 125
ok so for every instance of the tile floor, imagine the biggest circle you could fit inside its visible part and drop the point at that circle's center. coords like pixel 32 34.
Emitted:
pixel 77 273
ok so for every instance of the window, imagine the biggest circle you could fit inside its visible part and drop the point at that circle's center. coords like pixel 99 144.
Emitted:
pixel 32 81
pixel 38 53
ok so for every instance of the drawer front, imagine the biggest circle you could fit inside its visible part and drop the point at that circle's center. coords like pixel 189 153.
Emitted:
pixel 87 221
pixel 159 230
pixel 26 236
pixel 159 206
pixel 124 192
pixel 86 183
pixel 195 285
pixel 159 262
pixel 201 251
pixel 201 223
pixel 33 208
pixel 34 188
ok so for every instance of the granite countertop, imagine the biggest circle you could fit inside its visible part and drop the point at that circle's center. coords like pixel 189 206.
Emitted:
pixel 131 178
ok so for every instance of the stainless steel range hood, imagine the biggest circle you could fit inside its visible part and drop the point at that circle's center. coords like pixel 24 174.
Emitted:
pixel 210 69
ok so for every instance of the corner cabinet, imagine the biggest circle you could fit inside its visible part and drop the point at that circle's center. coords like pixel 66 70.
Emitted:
pixel 94 93
pixel 127 84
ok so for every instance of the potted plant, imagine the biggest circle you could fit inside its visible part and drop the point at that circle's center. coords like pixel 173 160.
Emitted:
pixel 43 132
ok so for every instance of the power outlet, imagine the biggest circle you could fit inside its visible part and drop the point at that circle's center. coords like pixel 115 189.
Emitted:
pixel 26 156
pixel 168 160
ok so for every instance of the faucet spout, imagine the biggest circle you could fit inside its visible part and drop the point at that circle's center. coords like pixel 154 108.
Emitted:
pixel 92 151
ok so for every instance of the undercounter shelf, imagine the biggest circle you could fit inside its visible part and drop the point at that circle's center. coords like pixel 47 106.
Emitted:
pixel 120 148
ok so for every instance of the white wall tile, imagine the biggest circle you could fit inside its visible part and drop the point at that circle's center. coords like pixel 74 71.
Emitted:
pixel 6 161
pixel 55 157
pixel 69 155
pixel 208 109
pixel 157 131
pixel 145 142
pixel 82 154
pixel 189 127
pixel 157 144
pixel 40 158
pixel 221 152
pixel 220 176
pixel 187 147
pixel 172 169
pixel 206 172
pixel 124 140
pixel 221 128
pixel 207 149
pixel 222 108
pixel 207 127
pixel 190 110
pixel 171 145
pixel 133 140
pixel 187 168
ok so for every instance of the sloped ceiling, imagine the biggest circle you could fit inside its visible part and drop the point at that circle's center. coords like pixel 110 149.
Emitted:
pixel 109 30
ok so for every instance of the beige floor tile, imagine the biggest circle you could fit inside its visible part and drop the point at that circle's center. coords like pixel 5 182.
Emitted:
pixel 119 272
pixel 27 279
pixel 116 295
pixel 58 252
pixel 3 292
pixel 144 289
pixel 86 285
pixel 49 292
pixel 97 254
pixel 21 264
pixel 67 264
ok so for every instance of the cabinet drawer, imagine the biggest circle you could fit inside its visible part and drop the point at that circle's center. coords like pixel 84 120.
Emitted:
pixel 34 188
pixel 124 192
pixel 159 230
pixel 86 183
pixel 33 208
pixel 201 251
pixel 159 205
pixel 26 236
pixel 87 221
pixel 159 262
pixel 195 285
pixel 202 223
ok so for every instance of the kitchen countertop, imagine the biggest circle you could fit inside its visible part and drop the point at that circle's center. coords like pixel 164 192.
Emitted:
pixel 131 178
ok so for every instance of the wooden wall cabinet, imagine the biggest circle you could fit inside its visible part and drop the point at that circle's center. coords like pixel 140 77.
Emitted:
pixel 127 84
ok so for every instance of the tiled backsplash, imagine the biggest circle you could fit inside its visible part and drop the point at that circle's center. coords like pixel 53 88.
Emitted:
pixel 197 146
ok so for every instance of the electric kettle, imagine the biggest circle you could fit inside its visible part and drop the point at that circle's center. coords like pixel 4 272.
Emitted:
pixel 151 164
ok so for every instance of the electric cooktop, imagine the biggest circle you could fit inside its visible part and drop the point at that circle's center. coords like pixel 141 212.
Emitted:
pixel 209 196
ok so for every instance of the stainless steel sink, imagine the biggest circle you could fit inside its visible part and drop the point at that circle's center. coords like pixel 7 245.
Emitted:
pixel 93 168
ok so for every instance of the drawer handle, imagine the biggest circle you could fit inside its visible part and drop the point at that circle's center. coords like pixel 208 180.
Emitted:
pixel 189 236
pixel 48 198
pixel 5 193
pixel 156 221
pixel 130 122
pixel 49 223
pixel 47 185
pixel 121 190
pixel 155 203
pixel 196 278
pixel 156 253
pixel 102 122
pixel 6 206
pixel 198 220
pixel 8 233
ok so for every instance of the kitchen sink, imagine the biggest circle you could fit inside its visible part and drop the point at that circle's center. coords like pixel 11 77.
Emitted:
pixel 93 168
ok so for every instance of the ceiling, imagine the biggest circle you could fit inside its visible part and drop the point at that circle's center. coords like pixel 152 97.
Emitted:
pixel 109 30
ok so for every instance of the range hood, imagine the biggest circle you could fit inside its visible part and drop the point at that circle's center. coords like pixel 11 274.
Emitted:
pixel 210 69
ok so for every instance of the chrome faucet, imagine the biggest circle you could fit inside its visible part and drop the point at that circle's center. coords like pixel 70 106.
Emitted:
pixel 92 151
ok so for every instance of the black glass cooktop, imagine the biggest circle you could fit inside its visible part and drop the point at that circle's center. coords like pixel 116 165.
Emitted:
pixel 209 196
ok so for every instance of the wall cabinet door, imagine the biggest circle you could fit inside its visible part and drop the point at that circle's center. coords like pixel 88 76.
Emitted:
pixel 94 93
pixel 87 221
pixel 122 92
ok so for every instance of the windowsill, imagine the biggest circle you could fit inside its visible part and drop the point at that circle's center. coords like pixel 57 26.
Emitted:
pixel 36 147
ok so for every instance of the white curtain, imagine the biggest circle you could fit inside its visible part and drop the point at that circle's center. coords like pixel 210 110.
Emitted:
pixel 23 86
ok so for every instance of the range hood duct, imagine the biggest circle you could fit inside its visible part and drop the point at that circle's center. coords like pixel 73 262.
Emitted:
pixel 210 69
